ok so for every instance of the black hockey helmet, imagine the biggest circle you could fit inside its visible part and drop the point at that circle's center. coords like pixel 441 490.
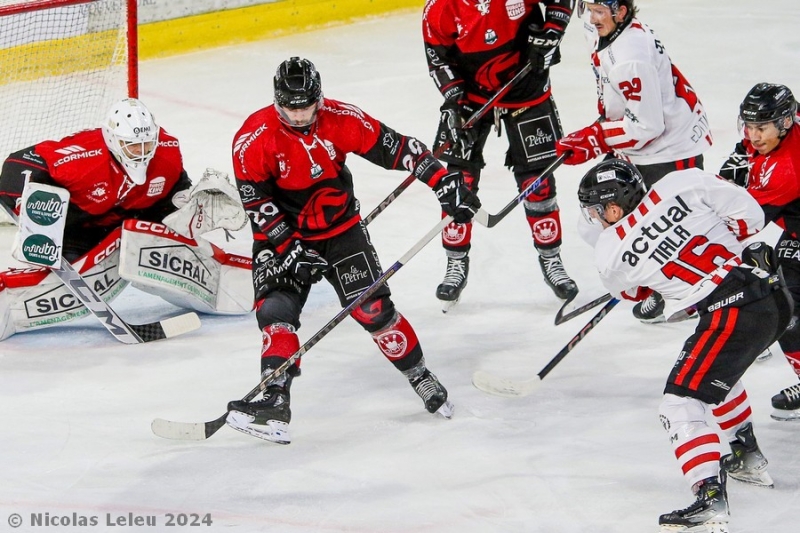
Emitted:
pixel 297 84
pixel 613 180
pixel 769 102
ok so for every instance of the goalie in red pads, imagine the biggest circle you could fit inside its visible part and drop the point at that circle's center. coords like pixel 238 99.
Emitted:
pixel 129 168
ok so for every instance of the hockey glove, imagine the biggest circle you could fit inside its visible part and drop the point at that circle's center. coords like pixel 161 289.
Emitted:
pixel 304 264
pixel 737 167
pixel 543 50
pixel 456 198
pixel 583 145
pixel 761 255
pixel 454 115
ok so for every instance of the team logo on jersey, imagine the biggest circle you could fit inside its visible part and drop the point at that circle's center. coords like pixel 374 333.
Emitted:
pixel 156 186
pixel 323 208
pixel 515 9
pixel 393 344
pixel 545 230
pixel 490 37
pixel 99 193
pixel 247 192
pixel 483 7
pixel 763 177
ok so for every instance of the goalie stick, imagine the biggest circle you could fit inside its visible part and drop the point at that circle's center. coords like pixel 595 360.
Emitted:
pixel 202 430
pixel 561 317
pixel 514 389
pixel 121 330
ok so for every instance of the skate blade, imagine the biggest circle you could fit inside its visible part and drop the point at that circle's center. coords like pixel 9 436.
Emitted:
pixel 273 431
pixel 709 527
pixel 446 410
pixel 765 356
pixel 758 479
pixel 448 304
pixel 784 415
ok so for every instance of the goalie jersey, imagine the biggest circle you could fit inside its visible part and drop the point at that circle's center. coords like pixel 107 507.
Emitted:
pixel 681 240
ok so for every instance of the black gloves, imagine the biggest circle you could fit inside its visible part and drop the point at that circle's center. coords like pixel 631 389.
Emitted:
pixel 456 199
pixel 737 167
pixel 303 264
pixel 761 255
pixel 455 112
pixel 543 50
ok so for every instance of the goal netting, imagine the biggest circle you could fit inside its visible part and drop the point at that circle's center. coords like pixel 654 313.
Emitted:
pixel 63 64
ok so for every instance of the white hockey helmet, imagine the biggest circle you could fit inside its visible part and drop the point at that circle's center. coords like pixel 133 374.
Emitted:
pixel 131 134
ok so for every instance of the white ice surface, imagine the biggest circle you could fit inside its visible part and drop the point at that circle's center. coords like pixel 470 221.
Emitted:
pixel 583 454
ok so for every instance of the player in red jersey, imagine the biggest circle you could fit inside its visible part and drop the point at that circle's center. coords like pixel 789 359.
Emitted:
pixel 473 49
pixel 767 162
pixel 289 163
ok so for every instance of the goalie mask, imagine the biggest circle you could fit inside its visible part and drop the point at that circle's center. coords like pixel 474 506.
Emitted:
pixel 131 134
pixel 298 92
pixel 613 180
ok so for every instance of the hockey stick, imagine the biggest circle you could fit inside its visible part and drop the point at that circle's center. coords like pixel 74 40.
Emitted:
pixel 476 116
pixel 515 389
pixel 202 430
pixel 122 331
pixel 490 221
pixel 561 317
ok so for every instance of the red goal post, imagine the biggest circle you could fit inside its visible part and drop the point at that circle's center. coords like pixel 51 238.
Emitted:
pixel 63 63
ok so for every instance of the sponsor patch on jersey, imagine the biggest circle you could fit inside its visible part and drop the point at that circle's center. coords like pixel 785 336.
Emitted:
pixel 490 37
pixel 354 274
pixel 156 186
pixel 515 9
pixel 538 138
pixel 71 153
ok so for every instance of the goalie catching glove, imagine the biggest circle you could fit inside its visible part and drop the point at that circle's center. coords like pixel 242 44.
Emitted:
pixel 213 202
pixel 455 197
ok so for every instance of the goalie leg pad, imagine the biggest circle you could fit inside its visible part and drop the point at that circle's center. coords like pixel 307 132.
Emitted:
pixel 35 298
pixel 187 273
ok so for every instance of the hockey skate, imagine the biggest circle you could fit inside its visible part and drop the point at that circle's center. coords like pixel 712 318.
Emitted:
pixel 556 276
pixel 455 279
pixel 427 386
pixel 708 514
pixel 746 463
pixel 787 404
pixel 266 419
pixel 650 310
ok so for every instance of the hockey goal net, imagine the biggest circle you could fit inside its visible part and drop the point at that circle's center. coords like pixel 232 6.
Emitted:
pixel 63 64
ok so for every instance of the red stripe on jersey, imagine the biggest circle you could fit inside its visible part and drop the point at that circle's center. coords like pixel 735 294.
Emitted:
pixel 643 209
pixel 627 144
pixel 620 232
pixel 727 407
pixel 710 457
pixel 653 197
pixel 741 417
pixel 732 314
pixel 613 132
pixel 631 220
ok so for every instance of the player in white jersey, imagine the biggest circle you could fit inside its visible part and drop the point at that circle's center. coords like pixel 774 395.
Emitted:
pixel 682 238
pixel 649 113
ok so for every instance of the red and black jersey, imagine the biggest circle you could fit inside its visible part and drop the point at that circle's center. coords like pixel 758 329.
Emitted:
pixel 295 183
pixel 101 196
pixel 774 181
pixel 478 45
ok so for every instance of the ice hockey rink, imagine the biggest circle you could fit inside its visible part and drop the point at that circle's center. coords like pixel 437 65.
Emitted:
pixel 585 453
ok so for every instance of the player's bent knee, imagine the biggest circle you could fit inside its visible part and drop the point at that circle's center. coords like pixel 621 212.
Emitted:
pixel 279 307
pixel 376 314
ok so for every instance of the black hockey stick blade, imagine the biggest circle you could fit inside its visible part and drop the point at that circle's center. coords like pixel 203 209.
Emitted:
pixel 203 430
pixel 490 221
pixel 562 317
pixel 510 388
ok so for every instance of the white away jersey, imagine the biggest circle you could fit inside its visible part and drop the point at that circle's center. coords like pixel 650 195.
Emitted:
pixel 652 114
pixel 682 239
